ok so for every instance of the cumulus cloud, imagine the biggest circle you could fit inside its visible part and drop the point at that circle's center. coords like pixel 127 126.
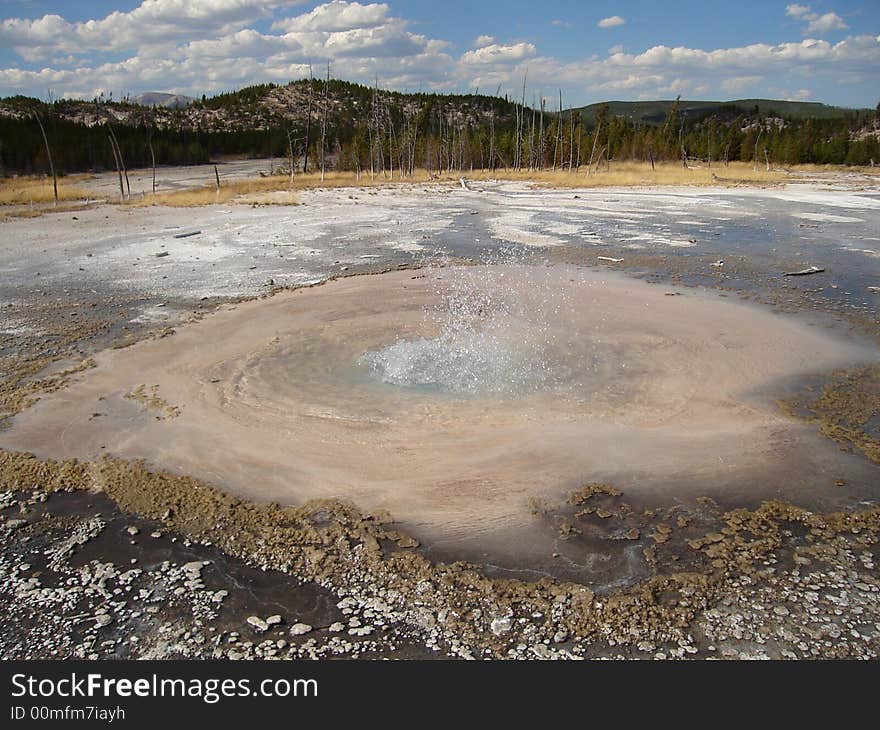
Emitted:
pixel 797 11
pixel 494 54
pixel 213 45
pixel 336 16
pixel 816 23
pixel 158 22
pixel 612 22
pixel 825 23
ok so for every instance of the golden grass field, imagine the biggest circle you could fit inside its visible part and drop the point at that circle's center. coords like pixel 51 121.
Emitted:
pixel 31 196
pixel 38 190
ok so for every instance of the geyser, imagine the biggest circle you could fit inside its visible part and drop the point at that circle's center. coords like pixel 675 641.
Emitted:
pixel 493 337
pixel 450 397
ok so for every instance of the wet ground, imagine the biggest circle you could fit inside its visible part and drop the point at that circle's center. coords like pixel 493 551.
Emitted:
pixel 74 283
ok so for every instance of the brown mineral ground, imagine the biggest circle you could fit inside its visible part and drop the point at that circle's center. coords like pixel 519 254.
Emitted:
pixel 558 376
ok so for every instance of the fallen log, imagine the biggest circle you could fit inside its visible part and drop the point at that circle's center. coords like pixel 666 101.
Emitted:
pixel 805 272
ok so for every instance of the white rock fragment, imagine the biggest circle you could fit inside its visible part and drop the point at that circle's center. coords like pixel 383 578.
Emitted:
pixel 500 625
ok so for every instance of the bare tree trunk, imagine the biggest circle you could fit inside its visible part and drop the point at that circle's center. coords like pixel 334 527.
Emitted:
pixel 709 147
pixel 593 151
pixel 684 156
pixel 570 140
pixel 492 141
pixel 115 143
pixel 324 120
pixel 290 153
pixel 541 135
pixel 49 155
pixel 118 166
pixel 217 177
pixel 532 159
pixel 308 122
pixel 152 154
pixel 767 158
pixel 756 149
pixel 558 134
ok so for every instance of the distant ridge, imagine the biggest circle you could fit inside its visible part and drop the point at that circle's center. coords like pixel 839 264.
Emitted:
pixel 158 98
pixel 654 112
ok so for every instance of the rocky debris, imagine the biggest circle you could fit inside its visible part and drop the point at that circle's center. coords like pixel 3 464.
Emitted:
pixel 501 625
pixel 258 623
pixel 110 608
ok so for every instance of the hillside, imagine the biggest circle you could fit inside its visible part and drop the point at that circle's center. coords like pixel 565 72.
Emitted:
pixel 349 126
pixel 654 112
pixel 265 107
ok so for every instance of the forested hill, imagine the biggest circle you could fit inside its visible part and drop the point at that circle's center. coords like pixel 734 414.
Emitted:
pixel 350 126
pixel 654 112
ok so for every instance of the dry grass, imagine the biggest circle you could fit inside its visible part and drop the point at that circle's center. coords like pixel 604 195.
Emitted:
pixel 8 212
pixel 277 189
pixel 270 190
pixel 38 190
pixel 635 174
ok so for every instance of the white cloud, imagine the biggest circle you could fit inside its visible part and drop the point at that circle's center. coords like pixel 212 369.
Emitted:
pixel 498 54
pixel 797 11
pixel 612 22
pixel 827 22
pixel 560 23
pixel 213 45
pixel 157 22
pixel 816 23
pixel 336 16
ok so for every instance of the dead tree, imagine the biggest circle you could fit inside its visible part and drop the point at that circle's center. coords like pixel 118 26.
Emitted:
pixel 684 154
pixel 492 141
pixel 541 135
pixel 593 151
pixel 152 154
pixel 324 120
pixel 308 121
pixel 290 141
pixel 758 139
pixel 709 144
pixel 114 142
pixel 49 155
pixel 118 163
pixel 558 135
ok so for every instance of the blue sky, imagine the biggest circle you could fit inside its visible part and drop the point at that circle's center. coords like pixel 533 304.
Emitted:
pixel 828 50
